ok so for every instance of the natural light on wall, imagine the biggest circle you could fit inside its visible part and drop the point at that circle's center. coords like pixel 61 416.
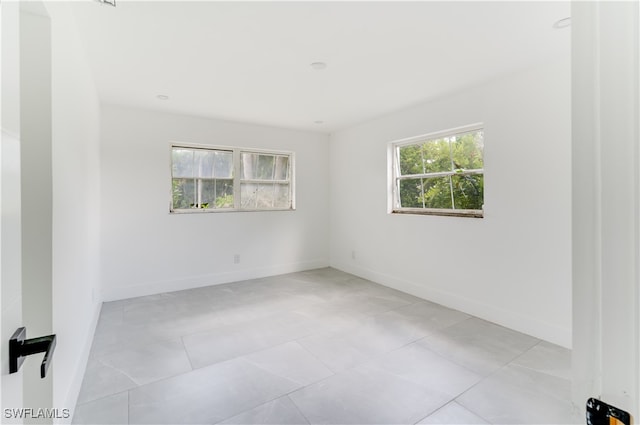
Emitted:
pixel 438 174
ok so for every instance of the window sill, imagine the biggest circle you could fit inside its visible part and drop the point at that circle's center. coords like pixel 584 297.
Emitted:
pixel 440 212
pixel 225 210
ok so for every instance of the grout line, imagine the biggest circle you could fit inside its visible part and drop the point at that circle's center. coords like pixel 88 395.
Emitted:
pixel 122 372
pixel 435 410
pixel 298 409
pixel 472 411
pixel 342 288
pixel 254 407
pixel 102 397
pixel 317 358
pixel 128 406
pixel 516 357
pixel 264 369
pixel 187 353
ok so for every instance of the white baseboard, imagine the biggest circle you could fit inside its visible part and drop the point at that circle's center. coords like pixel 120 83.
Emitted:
pixel 76 383
pixel 510 319
pixel 114 293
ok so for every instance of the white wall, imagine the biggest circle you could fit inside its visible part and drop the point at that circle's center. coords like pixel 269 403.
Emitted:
pixel 512 267
pixel 146 250
pixel 76 205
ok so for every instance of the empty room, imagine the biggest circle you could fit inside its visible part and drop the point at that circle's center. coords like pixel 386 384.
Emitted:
pixel 320 212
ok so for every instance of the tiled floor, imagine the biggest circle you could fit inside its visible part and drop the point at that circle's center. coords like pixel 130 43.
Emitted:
pixel 313 347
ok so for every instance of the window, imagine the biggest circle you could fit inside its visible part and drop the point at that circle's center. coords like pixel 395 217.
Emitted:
pixel 438 174
pixel 230 179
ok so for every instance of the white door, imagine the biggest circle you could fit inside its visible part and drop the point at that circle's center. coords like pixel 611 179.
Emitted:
pixel 10 221
pixel 25 266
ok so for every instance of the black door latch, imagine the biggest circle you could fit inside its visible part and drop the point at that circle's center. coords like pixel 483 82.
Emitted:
pixel 20 347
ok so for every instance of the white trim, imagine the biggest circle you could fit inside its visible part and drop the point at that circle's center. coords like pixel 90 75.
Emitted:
pixel 440 212
pixel 441 174
pixel 439 134
pixel 236 178
pixel 132 290
pixel 394 177
pixel 225 210
pixel 237 187
pixel 605 233
pixel 175 144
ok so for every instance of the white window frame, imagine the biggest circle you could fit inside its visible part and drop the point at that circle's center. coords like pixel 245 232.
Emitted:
pixel 394 177
pixel 236 177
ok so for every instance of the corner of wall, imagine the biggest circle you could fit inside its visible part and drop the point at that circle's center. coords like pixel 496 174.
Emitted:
pixel 529 325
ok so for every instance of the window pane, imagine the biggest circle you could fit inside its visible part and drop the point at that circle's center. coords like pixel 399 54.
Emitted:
pixel 411 160
pixel 468 191
pixel 265 167
pixel 183 193
pixel 224 194
pixel 205 179
pixel 437 192
pixel 249 165
pixel 223 164
pixel 282 168
pixel 467 151
pixel 257 167
pixel 440 173
pixel 411 193
pixel 248 193
pixel 282 196
pixel 215 193
pixel 206 194
pixel 203 163
pixel 182 162
pixel 436 156
pixel 265 195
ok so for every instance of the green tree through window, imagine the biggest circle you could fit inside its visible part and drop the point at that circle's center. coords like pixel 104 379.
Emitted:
pixel 443 174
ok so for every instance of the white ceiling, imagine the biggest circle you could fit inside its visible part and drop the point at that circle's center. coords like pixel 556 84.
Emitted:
pixel 250 62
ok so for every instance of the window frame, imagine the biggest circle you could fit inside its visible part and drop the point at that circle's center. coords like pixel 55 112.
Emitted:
pixel 394 176
pixel 236 178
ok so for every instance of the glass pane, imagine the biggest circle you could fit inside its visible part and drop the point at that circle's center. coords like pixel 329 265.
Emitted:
pixel 265 167
pixel 437 192
pixel 203 163
pixel 249 165
pixel 206 194
pixel 468 191
pixel 411 193
pixel 411 160
pixel 223 164
pixel 224 194
pixel 282 168
pixel 282 199
pixel 467 151
pixel 183 193
pixel 265 195
pixel 215 193
pixel 248 193
pixel 436 156
pixel 182 162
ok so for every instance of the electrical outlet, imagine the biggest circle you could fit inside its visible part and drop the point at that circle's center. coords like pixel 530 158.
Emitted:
pixel 236 259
